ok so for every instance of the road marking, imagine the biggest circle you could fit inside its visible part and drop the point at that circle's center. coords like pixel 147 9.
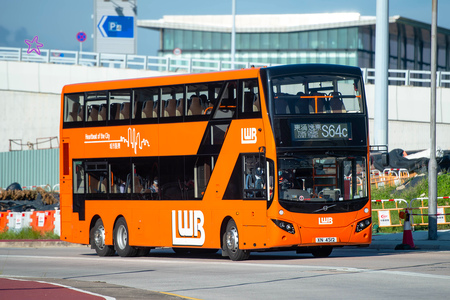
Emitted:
pixel 236 264
pixel 65 286
pixel 176 295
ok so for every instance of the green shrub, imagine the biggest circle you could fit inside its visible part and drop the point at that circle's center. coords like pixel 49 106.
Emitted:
pixel 28 234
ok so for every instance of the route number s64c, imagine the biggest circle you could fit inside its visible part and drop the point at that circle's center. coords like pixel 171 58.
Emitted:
pixel 335 131
pixel 321 131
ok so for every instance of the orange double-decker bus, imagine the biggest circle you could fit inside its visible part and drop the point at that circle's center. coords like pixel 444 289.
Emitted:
pixel 248 160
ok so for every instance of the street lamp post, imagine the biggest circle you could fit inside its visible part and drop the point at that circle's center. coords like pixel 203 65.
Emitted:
pixel 432 165
pixel 381 73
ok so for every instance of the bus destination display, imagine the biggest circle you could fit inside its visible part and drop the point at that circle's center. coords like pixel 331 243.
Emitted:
pixel 319 131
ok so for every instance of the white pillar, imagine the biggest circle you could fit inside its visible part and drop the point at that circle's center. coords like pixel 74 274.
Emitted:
pixel 381 73
pixel 233 33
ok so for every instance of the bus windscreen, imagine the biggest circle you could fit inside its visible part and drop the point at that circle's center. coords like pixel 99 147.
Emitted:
pixel 316 94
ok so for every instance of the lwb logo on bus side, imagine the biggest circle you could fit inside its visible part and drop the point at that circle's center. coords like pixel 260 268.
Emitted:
pixel 248 136
pixel 325 220
pixel 190 228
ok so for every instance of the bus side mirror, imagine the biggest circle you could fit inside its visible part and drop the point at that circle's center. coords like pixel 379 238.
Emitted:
pixel 385 159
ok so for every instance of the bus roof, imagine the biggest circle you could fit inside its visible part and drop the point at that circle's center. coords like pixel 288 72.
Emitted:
pixel 212 76
pixel 313 69
pixel 162 80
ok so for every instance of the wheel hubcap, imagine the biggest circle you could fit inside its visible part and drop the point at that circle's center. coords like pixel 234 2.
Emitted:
pixel 122 237
pixel 99 237
pixel 232 240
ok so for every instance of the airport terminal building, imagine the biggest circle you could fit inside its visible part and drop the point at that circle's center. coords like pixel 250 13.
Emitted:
pixel 335 38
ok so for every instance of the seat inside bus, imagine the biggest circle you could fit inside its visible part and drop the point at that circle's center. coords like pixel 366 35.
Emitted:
pixel 195 108
pixel 147 109
pixel 170 110
pixel 124 110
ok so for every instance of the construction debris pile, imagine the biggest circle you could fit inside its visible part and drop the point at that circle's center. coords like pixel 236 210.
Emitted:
pixel 413 162
pixel 17 200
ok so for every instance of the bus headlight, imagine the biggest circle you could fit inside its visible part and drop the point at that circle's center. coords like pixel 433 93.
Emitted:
pixel 363 224
pixel 286 226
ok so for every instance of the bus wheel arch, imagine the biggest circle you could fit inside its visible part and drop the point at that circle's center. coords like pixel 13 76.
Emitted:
pixel 223 228
pixel 121 238
pixel 230 242
pixel 97 238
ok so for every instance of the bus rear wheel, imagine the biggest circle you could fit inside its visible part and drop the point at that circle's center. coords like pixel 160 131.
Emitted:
pixel 97 237
pixel 121 244
pixel 324 251
pixel 231 243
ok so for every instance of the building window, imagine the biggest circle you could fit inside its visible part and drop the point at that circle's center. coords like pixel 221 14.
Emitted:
pixel 332 38
pixel 342 38
pixel 168 39
pixel 313 40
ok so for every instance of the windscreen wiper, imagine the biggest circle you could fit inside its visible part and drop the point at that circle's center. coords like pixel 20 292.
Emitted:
pixel 325 208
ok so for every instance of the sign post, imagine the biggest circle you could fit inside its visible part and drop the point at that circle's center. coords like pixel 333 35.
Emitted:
pixel 81 37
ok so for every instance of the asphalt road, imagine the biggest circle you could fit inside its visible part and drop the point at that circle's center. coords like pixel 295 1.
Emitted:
pixel 350 273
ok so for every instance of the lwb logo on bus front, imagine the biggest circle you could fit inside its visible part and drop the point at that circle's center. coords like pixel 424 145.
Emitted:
pixel 325 220
pixel 190 228
pixel 248 136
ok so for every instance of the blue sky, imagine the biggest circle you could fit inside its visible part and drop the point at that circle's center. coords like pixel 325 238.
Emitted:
pixel 57 22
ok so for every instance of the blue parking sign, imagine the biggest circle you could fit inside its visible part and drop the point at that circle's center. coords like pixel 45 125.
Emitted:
pixel 116 26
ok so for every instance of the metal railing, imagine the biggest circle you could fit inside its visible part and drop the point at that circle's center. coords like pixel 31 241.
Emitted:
pixel 386 212
pixel 409 77
pixel 123 61
pixel 49 143
pixel 190 65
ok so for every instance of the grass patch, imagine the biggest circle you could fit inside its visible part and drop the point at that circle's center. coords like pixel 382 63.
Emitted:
pixel 28 234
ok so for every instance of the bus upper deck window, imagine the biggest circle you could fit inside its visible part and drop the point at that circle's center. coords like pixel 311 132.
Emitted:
pixel 120 105
pixel 228 102
pixel 169 103
pixel 96 106
pixel 145 103
pixel 250 97
pixel 73 107
pixel 201 98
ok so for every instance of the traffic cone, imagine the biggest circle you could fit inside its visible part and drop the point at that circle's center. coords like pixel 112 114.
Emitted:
pixel 408 242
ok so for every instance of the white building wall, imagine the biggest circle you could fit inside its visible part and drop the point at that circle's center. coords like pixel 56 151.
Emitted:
pixel 50 78
pixel 26 116
pixel 30 101
pixel 409 117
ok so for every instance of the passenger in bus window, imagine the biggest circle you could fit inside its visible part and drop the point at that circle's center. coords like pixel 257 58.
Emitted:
pixel 285 178
pixel 122 187
pixel 204 101
pixel 154 188
pixel 256 104
pixel 249 183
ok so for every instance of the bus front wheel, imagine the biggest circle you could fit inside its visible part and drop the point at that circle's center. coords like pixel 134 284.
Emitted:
pixel 121 239
pixel 98 240
pixel 231 243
